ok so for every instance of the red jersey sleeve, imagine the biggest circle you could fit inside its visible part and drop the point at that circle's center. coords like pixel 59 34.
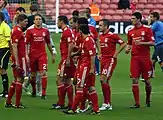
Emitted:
pixel 69 36
pixel 47 38
pixel 28 36
pixel 16 35
pixel 129 38
pixel 117 39
pixel 94 33
pixel 90 45
pixel 150 36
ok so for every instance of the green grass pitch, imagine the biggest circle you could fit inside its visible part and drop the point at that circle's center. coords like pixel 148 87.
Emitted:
pixel 39 109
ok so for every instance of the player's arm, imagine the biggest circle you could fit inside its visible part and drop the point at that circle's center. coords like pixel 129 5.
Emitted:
pixel 98 48
pixel 15 52
pixel 129 44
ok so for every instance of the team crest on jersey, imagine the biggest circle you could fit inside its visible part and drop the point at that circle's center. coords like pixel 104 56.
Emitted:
pixel 143 33
pixel 106 39
pixel 43 34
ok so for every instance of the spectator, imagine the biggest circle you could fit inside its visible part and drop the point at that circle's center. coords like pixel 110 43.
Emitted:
pixel 91 20
pixel 95 11
pixel 75 13
pixel 3 4
pixel 124 4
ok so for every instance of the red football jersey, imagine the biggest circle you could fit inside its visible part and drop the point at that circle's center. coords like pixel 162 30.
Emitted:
pixel 37 39
pixel 143 34
pixel 88 49
pixel 17 36
pixel 93 32
pixel 108 42
pixel 66 38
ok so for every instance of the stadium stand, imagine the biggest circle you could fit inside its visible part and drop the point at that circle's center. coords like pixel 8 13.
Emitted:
pixel 108 8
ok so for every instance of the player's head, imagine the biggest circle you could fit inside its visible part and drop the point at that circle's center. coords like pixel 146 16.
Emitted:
pixel 38 20
pixel 84 29
pixel 136 18
pixel 20 10
pixel 3 3
pixel 22 20
pixel 34 8
pixel 88 12
pixel 154 16
pixel 62 20
pixel 73 22
pixel 2 16
pixel 82 14
pixel 103 25
pixel 75 13
pixel 81 21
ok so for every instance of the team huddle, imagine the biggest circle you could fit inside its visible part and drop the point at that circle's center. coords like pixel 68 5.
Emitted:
pixel 80 43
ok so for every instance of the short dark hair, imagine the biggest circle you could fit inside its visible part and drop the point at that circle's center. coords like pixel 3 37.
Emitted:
pixel 156 14
pixel 5 3
pixel 75 19
pixel 82 21
pixel 138 15
pixel 84 28
pixel 64 19
pixel 21 17
pixel 20 9
pixel 2 16
pixel 37 15
pixel 75 13
pixel 106 22
pixel 34 7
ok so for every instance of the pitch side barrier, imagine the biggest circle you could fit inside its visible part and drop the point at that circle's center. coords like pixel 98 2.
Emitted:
pixel 116 27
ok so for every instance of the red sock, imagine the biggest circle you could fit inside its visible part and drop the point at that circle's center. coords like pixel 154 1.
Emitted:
pixel 85 96
pixel 94 98
pixel 77 99
pixel 109 91
pixel 61 94
pixel 33 84
pixel 69 90
pixel 105 90
pixel 148 92
pixel 44 85
pixel 18 92
pixel 135 90
pixel 11 92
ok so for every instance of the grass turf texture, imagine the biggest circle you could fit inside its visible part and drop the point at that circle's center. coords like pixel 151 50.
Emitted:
pixel 39 109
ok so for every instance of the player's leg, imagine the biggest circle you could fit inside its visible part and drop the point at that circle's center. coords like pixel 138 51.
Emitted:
pixel 33 83
pixel 159 52
pixel 154 60
pixel 4 60
pixel 38 84
pixel 43 75
pixel 135 74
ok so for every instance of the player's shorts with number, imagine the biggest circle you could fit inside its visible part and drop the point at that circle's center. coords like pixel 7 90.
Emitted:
pixel 64 71
pixel 107 66
pixel 140 66
pixel 38 64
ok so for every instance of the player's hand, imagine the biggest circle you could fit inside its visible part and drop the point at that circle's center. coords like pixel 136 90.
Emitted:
pixel 127 51
pixel 53 59
pixel 115 55
pixel 68 62
pixel 99 56
pixel 138 42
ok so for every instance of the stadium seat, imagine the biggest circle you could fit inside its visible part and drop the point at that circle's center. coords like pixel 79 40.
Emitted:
pixel 67 6
pixel 113 6
pixel 146 11
pixel 119 12
pixel 108 17
pixel 88 1
pixel 128 12
pixel 69 1
pixel 152 1
pixel 117 17
pixel 140 6
pixel 159 6
pixel 105 1
pixel 79 1
pixel 110 12
pixel 103 12
pixel 98 1
pixel 126 17
pixel 114 1
pixel 149 6
pixel 104 6
pixel 85 5
pixel 61 6
pixel 62 1
pixel 143 1
pixel 76 6
pixel 159 1
pixel 63 11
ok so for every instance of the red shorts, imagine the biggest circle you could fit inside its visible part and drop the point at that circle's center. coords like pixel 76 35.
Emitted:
pixel 107 66
pixel 23 70
pixel 66 71
pixel 141 66
pixel 84 79
pixel 38 64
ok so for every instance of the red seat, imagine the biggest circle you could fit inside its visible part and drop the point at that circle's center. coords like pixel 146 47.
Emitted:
pixel 110 12
pixel 140 6
pixel 62 1
pixel 119 12
pixel 85 5
pixel 159 1
pixel 146 11
pixel 106 1
pixel 126 17
pixel 49 6
pixel 79 1
pixel 103 12
pixel 109 17
pixel 69 1
pixel 149 6
pixel 159 6
pixel 143 1
pixel 113 6
pixel 63 11
pixel 88 1
pixel 61 6
pixel 76 6
pixel 117 17
pixel 114 1
pixel 152 1
pixel 67 6
pixel 128 12
pixel 104 6
pixel 98 1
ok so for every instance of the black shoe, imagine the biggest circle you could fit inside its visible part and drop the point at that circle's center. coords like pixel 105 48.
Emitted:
pixel 95 112
pixel 56 106
pixel 44 97
pixel 135 106
pixel 33 95
pixel 4 94
pixel 148 104
pixel 19 107
pixel 69 112
pixel 8 105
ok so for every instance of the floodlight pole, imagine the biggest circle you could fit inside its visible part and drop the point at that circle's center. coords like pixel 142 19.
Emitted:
pixel 57 14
